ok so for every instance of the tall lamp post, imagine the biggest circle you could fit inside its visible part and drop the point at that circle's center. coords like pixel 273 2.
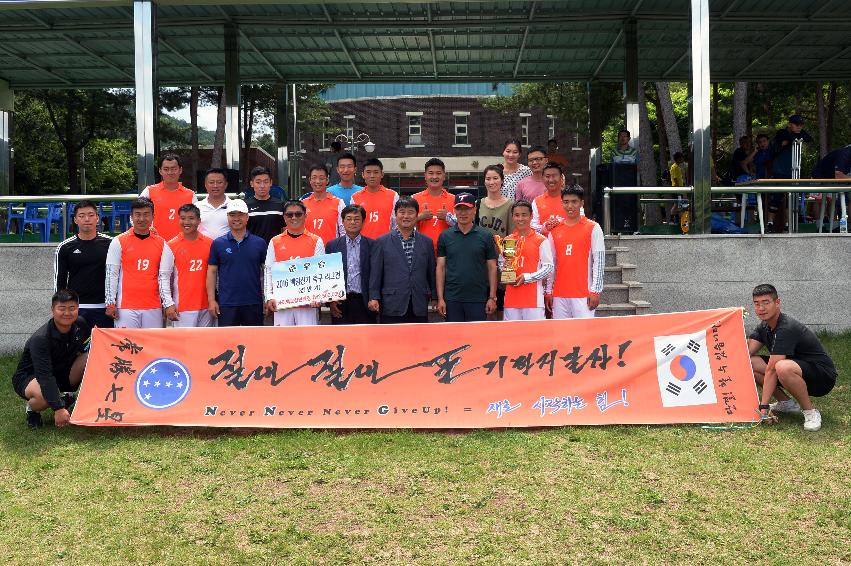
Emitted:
pixel 353 141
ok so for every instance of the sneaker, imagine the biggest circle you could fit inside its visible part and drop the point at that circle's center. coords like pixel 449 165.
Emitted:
pixel 786 406
pixel 33 419
pixel 812 420
pixel 69 399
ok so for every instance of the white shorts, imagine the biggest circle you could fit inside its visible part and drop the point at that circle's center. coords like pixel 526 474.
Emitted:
pixel 148 318
pixel 531 313
pixel 571 308
pixel 301 316
pixel 193 319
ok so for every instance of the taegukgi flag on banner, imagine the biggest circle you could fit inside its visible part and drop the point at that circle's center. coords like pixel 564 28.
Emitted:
pixel 683 370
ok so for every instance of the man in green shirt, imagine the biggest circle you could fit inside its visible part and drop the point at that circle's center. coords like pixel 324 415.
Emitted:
pixel 466 267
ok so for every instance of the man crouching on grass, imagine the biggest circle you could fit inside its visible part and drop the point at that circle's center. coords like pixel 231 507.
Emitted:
pixel 53 362
pixel 797 364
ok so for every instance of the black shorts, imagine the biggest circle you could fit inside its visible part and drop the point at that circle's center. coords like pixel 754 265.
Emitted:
pixel 21 380
pixel 820 381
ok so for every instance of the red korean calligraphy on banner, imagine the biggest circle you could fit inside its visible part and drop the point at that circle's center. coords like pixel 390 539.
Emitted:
pixel 690 367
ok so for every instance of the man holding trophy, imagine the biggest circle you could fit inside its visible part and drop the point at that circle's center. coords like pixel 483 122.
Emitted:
pixel 526 260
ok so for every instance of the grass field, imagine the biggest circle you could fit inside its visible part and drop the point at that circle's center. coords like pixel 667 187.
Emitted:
pixel 613 495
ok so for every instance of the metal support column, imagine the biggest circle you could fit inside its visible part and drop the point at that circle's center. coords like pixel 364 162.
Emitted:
pixel 145 50
pixel 7 105
pixel 702 208
pixel 282 135
pixel 631 84
pixel 595 141
pixel 232 95
pixel 295 157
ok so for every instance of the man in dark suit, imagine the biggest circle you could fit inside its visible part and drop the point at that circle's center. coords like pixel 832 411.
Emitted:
pixel 402 281
pixel 356 249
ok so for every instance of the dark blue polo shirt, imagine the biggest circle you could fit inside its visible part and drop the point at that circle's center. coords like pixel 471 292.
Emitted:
pixel 240 269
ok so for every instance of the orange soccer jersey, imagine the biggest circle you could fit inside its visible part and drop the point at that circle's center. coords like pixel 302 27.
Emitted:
pixel 571 255
pixel 140 264
pixel 323 216
pixel 166 205
pixel 548 207
pixel 530 295
pixel 190 268
pixel 379 210
pixel 286 247
pixel 434 226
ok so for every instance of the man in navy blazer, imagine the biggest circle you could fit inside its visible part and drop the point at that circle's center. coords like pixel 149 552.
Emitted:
pixel 401 282
pixel 356 249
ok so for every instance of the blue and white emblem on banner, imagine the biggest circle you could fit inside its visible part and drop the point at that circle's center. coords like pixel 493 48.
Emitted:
pixel 162 384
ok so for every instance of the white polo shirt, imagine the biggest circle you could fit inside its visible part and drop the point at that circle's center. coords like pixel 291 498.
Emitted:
pixel 214 220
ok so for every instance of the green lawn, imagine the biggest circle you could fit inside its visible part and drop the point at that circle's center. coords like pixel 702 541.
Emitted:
pixel 596 495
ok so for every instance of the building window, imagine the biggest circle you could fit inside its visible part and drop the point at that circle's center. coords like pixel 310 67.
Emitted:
pixel 415 129
pixel 524 129
pixel 327 135
pixel 551 127
pixel 350 129
pixel 462 132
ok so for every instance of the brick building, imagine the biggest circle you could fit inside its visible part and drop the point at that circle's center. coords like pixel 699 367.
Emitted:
pixel 411 123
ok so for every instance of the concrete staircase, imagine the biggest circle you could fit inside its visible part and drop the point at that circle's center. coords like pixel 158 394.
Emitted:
pixel 621 293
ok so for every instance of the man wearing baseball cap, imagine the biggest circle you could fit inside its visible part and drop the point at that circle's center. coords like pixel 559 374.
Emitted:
pixel 781 166
pixel 235 267
pixel 466 267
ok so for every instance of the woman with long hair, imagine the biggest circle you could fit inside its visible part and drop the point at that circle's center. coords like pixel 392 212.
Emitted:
pixel 513 171
pixel 493 213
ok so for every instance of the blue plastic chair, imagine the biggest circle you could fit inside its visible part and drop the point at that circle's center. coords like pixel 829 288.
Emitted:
pixel 120 213
pixel 33 217
pixel 16 216
pixel 277 192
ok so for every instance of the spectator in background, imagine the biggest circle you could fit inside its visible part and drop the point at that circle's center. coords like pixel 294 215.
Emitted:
pixel 331 162
pixel 493 212
pixel 533 186
pixel 235 267
pixel 512 170
pixel 80 265
pixel 678 170
pixel 466 274
pixel 834 165
pixel 782 158
pixel 323 209
pixel 356 250
pixel 401 280
pixel 624 152
pixel 435 202
pixel 552 155
pixel 214 208
pixel 168 196
pixel 265 212
pixel 741 165
pixel 762 157
pixel 377 200
pixel 347 168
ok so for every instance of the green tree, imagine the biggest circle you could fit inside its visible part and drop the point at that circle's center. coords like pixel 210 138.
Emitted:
pixel 39 161
pixel 110 166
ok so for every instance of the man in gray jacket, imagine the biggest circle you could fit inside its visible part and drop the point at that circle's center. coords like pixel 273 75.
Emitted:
pixel 401 281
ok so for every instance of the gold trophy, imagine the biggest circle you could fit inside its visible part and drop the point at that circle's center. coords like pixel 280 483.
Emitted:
pixel 510 250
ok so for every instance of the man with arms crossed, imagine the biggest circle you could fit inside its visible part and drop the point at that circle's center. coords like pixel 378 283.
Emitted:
pixel 377 200
pixel 466 267
pixel 133 293
pixel 168 195
pixel 401 277
pixel 80 265
pixel 294 243
pixel 525 299
pixel 53 361
pixel 548 209
pixel 797 364
pixel 356 250
pixel 579 255
pixel 435 202
pixel 184 271
pixel 236 264
pixel 214 208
